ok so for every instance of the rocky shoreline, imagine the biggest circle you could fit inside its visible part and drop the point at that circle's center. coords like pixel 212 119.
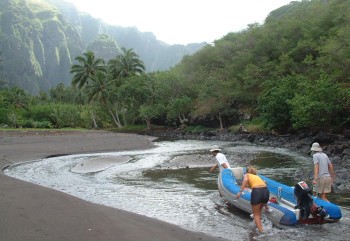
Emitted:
pixel 337 147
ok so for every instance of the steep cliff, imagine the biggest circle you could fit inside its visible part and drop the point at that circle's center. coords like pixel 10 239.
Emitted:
pixel 39 40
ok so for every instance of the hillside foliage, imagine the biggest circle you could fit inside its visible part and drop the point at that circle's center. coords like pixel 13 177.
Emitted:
pixel 291 73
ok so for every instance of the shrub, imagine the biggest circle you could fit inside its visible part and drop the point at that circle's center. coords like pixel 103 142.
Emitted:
pixel 4 116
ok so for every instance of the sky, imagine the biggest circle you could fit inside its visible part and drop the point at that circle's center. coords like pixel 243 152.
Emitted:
pixel 181 21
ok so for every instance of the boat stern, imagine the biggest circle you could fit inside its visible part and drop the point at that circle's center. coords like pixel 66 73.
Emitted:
pixel 281 216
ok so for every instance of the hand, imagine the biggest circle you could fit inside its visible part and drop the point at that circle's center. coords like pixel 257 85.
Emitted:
pixel 314 181
pixel 212 169
pixel 238 195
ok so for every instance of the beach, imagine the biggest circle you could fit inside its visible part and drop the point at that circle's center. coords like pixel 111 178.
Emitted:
pixel 30 212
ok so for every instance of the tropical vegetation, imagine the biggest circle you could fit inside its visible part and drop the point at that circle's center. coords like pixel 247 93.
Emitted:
pixel 290 73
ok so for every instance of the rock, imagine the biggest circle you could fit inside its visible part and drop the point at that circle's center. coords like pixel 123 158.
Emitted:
pixel 342 188
pixel 251 138
pixel 336 160
pixel 345 152
pixel 347 134
pixel 323 138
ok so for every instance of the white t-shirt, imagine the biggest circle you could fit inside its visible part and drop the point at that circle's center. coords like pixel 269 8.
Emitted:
pixel 221 158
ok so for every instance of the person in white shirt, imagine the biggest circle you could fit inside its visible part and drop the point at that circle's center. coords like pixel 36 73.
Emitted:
pixel 222 162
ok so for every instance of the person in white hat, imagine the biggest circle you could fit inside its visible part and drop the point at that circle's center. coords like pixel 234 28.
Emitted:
pixel 323 171
pixel 220 158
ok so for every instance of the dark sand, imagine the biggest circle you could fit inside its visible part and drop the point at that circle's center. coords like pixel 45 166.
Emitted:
pixel 31 212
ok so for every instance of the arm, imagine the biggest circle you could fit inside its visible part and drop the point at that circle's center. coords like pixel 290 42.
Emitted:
pixel 331 171
pixel 214 167
pixel 244 184
pixel 315 173
pixel 224 165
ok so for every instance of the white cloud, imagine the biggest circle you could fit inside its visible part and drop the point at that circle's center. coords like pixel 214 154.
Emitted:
pixel 182 21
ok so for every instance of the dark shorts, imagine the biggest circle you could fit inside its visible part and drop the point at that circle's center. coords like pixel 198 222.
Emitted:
pixel 259 195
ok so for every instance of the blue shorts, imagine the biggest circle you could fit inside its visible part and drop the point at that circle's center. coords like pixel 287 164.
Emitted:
pixel 259 195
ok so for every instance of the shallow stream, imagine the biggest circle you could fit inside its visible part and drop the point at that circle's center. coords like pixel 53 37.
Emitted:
pixel 172 182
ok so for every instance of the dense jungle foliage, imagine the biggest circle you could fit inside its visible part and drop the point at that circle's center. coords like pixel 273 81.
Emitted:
pixel 290 73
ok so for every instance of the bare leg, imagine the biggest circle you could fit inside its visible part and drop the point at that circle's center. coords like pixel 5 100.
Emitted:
pixel 315 190
pixel 323 196
pixel 257 215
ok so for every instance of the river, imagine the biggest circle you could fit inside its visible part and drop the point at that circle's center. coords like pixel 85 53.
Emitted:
pixel 171 182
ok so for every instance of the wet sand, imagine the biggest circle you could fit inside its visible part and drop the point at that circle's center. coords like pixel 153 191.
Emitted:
pixel 30 212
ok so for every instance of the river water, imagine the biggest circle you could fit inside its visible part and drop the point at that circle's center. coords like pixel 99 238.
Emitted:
pixel 184 194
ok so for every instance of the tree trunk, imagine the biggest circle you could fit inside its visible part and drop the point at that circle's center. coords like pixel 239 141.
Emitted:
pixel 221 125
pixel 148 123
pixel 124 118
pixel 94 119
pixel 220 120
pixel 115 119
pixel 183 121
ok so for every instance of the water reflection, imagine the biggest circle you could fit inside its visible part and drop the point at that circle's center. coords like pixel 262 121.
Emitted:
pixel 197 177
pixel 273 160
pixel 172 183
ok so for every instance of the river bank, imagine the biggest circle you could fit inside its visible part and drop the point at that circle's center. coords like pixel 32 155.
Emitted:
pixel 32 212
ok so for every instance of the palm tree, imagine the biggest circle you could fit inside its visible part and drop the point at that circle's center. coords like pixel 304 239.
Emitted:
pixel 99 89
pixel 126 64
pixel 86 69
pixel 17 98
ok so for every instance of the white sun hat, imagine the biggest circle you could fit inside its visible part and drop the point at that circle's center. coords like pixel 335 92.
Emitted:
pixel 215 148
pixel 316 147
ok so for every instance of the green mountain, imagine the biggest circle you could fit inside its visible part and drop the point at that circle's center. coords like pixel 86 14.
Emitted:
pixel 40 39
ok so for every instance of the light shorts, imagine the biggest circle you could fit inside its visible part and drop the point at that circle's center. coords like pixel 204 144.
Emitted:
pixel 324 185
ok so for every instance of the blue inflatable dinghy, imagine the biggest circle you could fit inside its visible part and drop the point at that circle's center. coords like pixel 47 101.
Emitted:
pixel 287 205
